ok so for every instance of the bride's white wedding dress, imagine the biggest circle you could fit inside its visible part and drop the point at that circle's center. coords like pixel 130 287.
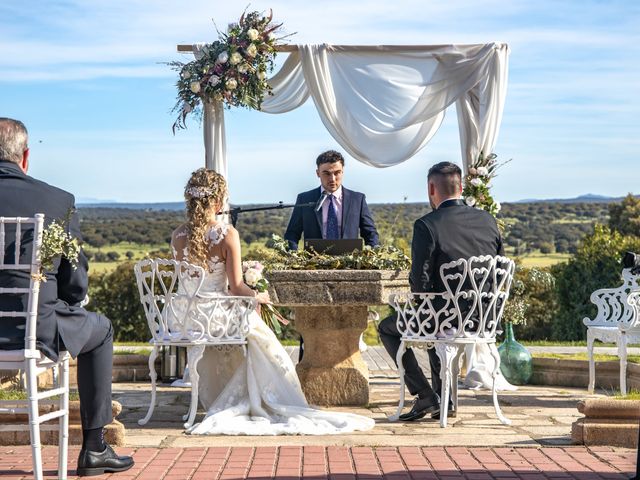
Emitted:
pixel 259 394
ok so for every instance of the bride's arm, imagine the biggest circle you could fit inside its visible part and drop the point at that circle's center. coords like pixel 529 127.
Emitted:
pixel 234 268
pixel 179 242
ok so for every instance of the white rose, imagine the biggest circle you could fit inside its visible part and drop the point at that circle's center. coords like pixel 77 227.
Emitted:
pixel 195 87
pixel 223 57
pixel 243 67
pixel 252 50
pixel 476 182
pixel 231 84
pixel 251 277
pixel 483 171
pixel 235 58
pixel 186 74
pixel 262 75
pixel 470 201
pixel 473 171
pixel 214 80
pixel 252 33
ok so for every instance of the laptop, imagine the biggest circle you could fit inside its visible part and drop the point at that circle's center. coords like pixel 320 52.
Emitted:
pixel 334 247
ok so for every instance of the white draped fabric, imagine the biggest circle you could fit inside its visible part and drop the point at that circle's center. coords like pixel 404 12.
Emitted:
pixel 382 104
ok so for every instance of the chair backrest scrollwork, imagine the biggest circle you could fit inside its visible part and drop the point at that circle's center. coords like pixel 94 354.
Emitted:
pixel 179 310
pixel 477 289
pixel 616 306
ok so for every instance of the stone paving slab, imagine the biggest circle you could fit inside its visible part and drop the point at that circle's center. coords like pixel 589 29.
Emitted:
pixel 347 463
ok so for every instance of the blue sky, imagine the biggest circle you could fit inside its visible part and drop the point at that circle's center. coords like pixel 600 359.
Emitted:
pixel 85 77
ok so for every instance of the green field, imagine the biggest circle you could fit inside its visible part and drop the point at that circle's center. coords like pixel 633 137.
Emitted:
pixel 540 260
pixel 139 251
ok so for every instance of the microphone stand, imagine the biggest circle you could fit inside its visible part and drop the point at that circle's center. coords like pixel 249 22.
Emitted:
pixel 234 212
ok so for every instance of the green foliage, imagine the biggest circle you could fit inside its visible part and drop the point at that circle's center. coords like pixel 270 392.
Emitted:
pixel 537 297
pixel 595 265
pixel 279 257
pixel 56 242
pixel 625 216
pixel 115 295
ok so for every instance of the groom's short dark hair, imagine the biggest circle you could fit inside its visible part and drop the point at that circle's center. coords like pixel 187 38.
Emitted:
pixel 447 177
pixel 330 156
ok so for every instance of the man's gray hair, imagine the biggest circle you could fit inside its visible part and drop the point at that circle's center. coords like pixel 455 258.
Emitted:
pixel 13 139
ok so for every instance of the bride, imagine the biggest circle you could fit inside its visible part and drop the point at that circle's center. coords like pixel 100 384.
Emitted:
pixel 259 394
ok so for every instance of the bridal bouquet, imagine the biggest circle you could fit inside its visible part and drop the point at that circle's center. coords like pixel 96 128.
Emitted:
pixel 233 69
pixel 253 277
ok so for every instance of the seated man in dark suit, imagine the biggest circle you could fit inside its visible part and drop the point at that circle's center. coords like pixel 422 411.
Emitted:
pixel 62 323
pixel 452 230
pixel 338 212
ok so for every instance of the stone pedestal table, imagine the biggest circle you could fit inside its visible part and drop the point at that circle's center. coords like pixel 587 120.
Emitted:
pixel 331 313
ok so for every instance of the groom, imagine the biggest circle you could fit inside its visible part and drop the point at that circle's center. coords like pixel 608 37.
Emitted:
pixel 452 230
pixel 62 323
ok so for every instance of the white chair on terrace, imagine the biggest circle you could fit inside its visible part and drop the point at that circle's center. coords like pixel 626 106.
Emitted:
pixel 617 321
pixel 30 360
pixel 181 313
pixel 468 312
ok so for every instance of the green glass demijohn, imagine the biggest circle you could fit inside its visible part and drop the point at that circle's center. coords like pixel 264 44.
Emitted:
pixel 516 363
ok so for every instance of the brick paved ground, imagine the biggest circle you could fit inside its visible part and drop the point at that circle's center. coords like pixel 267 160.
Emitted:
pixel 350 463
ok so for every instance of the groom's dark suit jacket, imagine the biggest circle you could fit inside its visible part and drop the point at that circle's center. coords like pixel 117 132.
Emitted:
pixel 24 196
pixel 356 218
pixel 451 232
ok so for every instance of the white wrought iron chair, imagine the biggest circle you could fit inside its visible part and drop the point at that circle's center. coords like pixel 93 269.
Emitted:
pixel 179 314
pixel 30 360
pixel 617 321
pixel 468 312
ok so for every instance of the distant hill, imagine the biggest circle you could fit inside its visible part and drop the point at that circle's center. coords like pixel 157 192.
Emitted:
pixel 588 198
pixel 174 206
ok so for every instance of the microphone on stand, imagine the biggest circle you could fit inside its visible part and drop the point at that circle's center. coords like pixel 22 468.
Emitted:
pixel 320 201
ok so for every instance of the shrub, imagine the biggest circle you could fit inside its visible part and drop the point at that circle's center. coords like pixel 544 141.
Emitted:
pixel 596 264
pixel 115 295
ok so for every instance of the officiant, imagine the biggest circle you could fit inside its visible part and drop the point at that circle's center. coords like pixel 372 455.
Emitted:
pixel 338 211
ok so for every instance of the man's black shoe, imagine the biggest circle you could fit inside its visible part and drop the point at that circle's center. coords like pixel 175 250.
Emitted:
pixel 421 407
pixel 96 463
pixel 451 413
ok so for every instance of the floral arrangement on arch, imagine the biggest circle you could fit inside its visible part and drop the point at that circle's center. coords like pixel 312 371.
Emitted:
pixel 477 183
pixel 232 70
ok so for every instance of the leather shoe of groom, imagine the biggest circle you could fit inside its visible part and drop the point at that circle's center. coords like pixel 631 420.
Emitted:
pixel 96 463
pixel 420 408
pixel 451 413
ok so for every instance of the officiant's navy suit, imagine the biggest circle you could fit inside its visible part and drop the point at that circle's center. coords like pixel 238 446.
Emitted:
pixel 356 218
pixel 62 323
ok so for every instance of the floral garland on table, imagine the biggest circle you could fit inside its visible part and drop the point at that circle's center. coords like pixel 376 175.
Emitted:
pixel 278 257
pixel 233 69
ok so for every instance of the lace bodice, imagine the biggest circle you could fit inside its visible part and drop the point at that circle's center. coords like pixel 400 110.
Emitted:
pixel 216 279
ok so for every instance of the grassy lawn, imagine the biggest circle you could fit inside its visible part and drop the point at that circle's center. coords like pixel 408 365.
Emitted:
pixel 540 260
pixel 17 394
pixel 599 357
pixel 632 395
pixel 139 250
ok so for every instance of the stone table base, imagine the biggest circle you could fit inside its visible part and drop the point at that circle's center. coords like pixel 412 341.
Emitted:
pixel 332 371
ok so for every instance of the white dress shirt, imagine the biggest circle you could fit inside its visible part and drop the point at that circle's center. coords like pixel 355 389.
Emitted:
pixel 337 203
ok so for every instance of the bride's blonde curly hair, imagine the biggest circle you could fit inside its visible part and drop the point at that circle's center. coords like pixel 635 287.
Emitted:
pixel 205 190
